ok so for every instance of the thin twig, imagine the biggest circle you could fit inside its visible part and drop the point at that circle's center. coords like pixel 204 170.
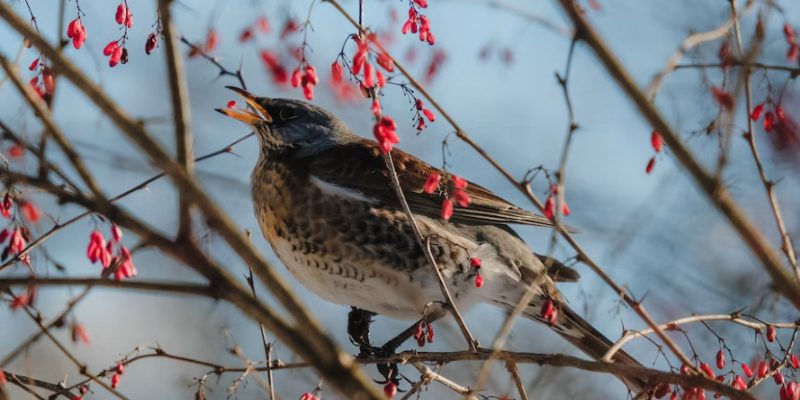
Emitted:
pixel 794 71
pixel 734 317
pixel 530 16
pixel 22 381
pixel 428 374
pixel 511 366
pixel 222 70
pixel 425 243
pixel 264 341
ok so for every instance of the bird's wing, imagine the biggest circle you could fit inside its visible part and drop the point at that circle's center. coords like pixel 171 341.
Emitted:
pixel 357 168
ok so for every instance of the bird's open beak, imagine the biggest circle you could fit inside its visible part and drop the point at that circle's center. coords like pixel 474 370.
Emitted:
pixel 247 116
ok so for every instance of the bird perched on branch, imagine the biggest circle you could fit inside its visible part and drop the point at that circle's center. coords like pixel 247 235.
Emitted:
pixel 324 200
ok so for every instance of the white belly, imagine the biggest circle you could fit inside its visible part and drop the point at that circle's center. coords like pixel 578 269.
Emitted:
pixel 385 290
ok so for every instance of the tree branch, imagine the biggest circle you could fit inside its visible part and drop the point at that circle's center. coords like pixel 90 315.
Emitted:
pixel 180 110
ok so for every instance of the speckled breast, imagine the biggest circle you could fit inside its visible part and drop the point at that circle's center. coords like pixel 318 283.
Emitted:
pixel 330 242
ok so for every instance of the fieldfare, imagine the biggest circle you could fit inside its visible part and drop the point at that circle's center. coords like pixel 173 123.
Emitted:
pixel 324 201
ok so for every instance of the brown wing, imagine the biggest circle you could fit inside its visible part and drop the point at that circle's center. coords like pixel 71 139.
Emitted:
pixel 358 166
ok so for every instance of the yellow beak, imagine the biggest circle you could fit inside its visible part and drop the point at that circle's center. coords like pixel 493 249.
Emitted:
pixel 246 116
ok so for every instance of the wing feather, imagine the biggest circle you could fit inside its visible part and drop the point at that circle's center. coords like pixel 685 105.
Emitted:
pixel 358 166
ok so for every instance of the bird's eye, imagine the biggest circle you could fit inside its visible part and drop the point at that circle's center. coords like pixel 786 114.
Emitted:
pixel 287 114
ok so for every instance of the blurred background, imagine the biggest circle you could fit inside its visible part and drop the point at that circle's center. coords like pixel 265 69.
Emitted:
pixel 654 233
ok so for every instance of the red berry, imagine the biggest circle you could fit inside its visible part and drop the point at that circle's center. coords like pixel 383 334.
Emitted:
pixel 769 121
pixel 549 207
pixel 461 197
pixel 788 33
pixel 376 108
pixel 211 40
pixel 747 371
pixel 390 390
pixel 565 209
pixel 478 280
pixel 780 114
pixel 116 57
pixel 547 309
pixel 459 183
pixel 263 24
pixel 368 80
pixel 429 115
pixel 722 97
pixel 121 13
pixel 110 47
pixel 296 77
pixel 707 370
pixel 650 165
pixel 661 391
pixel 771 333
pixel 418 331
pixel 246 35
pixel 778 377
pixel 656 141
pixel 739 383
pixel 756 113
pixel 447 209
pixel 432 183
pixel 336 71
pixel 720 360
pixel 380 78
pixel 763 368
pixel 79 334
pixel 150 43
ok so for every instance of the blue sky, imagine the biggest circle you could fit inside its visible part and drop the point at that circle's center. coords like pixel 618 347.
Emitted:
pixel 654 233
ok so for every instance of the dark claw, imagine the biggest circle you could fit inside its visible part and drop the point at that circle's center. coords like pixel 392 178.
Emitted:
pixel 358 322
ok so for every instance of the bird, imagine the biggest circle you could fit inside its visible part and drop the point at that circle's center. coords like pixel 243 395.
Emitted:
pixel 324 201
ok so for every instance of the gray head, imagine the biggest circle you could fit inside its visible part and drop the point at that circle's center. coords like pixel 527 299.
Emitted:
pixel 284 125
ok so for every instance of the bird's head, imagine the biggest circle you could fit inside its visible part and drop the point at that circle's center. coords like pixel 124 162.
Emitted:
pixel 284 125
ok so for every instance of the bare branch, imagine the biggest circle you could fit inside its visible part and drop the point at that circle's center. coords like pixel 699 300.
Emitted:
pixel 430 375
pixel 734 317
pixel 180 109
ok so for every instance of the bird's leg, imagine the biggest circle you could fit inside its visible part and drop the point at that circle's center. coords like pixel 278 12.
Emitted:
pixel 358 322
pixel 389 370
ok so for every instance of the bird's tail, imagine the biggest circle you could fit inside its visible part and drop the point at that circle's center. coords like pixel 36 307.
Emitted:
pixel 582 335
